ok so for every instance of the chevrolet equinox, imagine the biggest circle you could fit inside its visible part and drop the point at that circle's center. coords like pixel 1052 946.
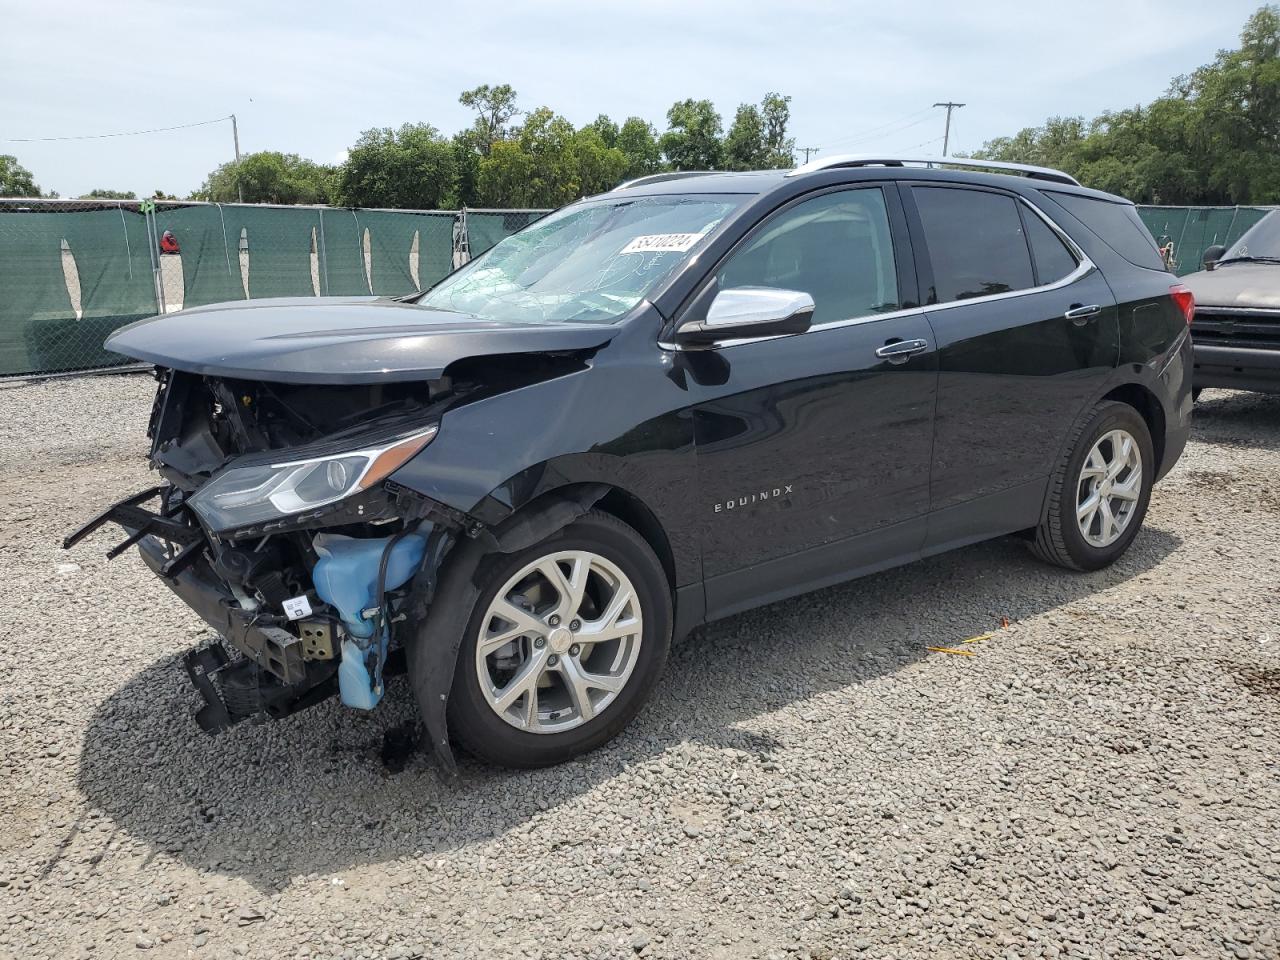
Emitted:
pixel 687 397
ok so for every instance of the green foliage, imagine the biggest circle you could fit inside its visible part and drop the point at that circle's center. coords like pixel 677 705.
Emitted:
pixel 1213 138
pixel 15 179
pixel 638 142
pixel 548 164
pixel 99 193
pixel 413 167
pixel 543 162
pixel 494 107
pixel 268 177
pixel 692 140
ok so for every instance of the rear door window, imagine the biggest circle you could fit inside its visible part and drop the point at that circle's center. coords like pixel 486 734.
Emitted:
pixel 976 243
pixel 1053 260
pixel 1116 224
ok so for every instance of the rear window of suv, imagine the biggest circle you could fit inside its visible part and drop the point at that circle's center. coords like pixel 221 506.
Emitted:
pixel 1117 225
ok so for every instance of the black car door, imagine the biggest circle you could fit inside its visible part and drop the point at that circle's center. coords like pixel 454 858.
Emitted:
pixel 813 453
pixel 1027 335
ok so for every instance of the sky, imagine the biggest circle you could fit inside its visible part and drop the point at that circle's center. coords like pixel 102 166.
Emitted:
pixel 307 78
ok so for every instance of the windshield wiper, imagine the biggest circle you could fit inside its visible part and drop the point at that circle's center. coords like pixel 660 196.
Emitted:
pixel 1250 260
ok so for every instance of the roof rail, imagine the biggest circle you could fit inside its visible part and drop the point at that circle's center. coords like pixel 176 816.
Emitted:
pixel 659 177
pixel 878 160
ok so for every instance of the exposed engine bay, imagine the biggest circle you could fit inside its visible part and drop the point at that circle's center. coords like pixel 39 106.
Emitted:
pixel 277 523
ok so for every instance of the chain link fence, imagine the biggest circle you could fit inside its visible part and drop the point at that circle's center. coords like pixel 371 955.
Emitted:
pixel 1184 233
pixel 72 271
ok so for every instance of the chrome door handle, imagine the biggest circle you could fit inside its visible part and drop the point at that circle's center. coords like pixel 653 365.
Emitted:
pixel 902 350
pixel 1080 315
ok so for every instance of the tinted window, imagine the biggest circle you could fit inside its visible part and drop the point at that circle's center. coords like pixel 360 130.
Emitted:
pixel 976 244
pixel 1052 258
pixel 835 247
pixel 1118 225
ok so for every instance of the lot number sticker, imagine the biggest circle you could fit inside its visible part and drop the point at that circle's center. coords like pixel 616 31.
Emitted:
pixel 662 243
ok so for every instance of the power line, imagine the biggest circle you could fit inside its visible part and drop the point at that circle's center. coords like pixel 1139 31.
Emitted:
pixel 885 129
pixel 946 136
pixel 807 151
pixel 104 136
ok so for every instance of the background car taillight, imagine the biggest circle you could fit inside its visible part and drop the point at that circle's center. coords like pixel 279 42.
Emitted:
pixel 1185 300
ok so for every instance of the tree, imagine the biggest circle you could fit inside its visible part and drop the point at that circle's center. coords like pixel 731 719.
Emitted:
pixel 1213 138
pixel 413 167
pixel 597 165
pixel 268 177
pixel 99 193
pixel 15 179
pixel 780 150
pixel 607 129
pixel 692 140
pixel 495 107
pixel 638 142
pixel 744 147
pixel 758 139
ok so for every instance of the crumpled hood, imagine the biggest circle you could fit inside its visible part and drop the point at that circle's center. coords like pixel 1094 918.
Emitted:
pixel 1237 285
pixel 336 340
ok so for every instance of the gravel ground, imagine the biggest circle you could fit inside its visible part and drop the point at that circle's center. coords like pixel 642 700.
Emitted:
pixel 1099 779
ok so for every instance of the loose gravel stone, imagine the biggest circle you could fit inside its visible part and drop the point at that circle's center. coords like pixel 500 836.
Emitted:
pixel 1098 780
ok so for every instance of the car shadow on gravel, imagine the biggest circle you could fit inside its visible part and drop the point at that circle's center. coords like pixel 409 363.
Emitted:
pixel 1238 419
pixel 309 795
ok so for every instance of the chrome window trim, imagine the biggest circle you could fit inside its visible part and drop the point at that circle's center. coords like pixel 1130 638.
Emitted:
pixel 1084 266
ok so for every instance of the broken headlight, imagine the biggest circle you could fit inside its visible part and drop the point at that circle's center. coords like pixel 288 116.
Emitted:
pixel 240 496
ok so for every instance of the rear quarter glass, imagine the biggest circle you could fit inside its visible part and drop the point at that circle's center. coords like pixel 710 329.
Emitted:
pixel 1117 224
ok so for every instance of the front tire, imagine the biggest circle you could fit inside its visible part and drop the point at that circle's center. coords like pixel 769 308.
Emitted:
pixel 1098 494
pixel 566 642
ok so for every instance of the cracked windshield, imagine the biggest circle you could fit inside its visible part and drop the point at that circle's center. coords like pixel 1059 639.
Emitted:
pixel 587 264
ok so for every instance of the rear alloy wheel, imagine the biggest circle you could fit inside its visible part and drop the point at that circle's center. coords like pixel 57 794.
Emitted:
pixel 1099 492
pixel 567 640
pixel 1108 489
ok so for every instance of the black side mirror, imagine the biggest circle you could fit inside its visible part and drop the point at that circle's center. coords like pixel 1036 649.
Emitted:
pixel 1212 255
pixel 746 312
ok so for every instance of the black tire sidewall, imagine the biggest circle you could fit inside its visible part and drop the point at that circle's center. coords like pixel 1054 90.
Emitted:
pixel 1113 416
pixel 483 732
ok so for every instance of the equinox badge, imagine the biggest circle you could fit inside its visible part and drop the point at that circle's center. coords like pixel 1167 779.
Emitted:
pixel 732 504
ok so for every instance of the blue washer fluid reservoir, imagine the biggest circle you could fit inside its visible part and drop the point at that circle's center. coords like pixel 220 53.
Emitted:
pixel 346 577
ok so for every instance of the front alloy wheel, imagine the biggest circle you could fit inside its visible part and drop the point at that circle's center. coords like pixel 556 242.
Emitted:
pixel 559 641
pixel 567 640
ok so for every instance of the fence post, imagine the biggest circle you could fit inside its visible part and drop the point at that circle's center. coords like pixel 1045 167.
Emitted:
pixel 148 208
pixel 324 262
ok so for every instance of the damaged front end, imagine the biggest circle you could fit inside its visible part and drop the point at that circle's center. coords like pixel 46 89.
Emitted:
pixel 277 525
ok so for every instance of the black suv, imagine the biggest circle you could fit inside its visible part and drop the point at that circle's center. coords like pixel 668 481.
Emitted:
pixel 687 397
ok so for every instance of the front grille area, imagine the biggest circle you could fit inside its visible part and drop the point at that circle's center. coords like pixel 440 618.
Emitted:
pixel 1252 329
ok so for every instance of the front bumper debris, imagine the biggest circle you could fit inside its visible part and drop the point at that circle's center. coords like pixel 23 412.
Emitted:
pixel 129 514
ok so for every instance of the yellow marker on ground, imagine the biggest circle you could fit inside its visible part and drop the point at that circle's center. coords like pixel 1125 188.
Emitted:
pixel 979 638
pixel 952 650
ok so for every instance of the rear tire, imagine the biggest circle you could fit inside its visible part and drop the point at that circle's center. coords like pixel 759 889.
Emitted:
pixel 574 694
pixel 1099 492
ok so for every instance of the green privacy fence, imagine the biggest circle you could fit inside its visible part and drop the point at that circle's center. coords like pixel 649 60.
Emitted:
pixel 1184 233
pixel 71 272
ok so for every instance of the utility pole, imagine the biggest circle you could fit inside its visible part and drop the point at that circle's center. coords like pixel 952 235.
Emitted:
pixel 946 136
pixel 235 133
pixel 809 150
